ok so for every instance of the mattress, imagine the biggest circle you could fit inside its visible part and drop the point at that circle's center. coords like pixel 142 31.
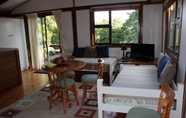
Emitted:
pixel 137 76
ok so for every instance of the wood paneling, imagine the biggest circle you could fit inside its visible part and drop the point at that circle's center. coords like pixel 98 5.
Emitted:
pixel 10 71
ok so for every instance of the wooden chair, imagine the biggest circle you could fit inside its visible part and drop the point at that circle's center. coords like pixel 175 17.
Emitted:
pixel 140 112
pixel 91 79
pixel 59 86
pixel 69 74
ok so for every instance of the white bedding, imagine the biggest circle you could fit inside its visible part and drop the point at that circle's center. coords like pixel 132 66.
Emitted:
pixel 137 76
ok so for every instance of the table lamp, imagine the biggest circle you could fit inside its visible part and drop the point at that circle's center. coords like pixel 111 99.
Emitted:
pixel 124 47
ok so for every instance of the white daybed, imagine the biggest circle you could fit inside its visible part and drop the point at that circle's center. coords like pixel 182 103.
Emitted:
pixel 135 87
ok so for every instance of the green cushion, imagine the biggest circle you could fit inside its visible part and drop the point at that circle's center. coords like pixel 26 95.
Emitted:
pixel 140 112
pixel 69 82
pixel 89 78
pixel 70 73
pixel 49 64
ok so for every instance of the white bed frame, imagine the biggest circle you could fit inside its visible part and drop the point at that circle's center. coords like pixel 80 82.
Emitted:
pixel 135 92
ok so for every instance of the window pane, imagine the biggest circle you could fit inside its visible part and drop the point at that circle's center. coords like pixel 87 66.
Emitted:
pixel 171 21
pixel 178 18
pixel 42 38
pixel 48 36
pixel 101 17
pixel 52 32
pixel 125 26
pixel 101 35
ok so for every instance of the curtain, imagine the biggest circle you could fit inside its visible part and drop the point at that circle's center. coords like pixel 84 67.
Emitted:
pixel 34 40
pixel 58 16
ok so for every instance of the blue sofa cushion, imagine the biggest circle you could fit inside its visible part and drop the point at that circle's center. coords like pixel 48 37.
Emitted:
pixel 161 66
pixel 78 52
pixel 102 51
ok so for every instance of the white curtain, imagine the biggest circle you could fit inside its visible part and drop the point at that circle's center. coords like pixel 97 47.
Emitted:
pixel 58 16
pixel 34 40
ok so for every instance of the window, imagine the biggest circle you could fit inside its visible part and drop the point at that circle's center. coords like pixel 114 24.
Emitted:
pixel 116 26
pixel 48 36
pixel 174 17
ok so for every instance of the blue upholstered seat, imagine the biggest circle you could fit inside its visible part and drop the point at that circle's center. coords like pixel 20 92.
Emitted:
pixel 70 73
pixel 142 113
pixel 166 99
pixel 89 78
pixel 69 82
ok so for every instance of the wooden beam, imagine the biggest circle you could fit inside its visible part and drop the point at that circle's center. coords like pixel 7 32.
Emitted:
pixel 3 1
pixel 74 25
pixel 5 13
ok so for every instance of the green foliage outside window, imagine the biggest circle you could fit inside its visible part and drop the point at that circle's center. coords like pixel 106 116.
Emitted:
pixel 48 36
pixel 121 32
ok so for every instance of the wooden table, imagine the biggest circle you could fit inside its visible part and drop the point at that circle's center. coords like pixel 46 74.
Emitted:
pixel 133 61
pixel 72 65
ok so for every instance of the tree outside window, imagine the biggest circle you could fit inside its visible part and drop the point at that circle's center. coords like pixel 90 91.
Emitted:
pixel 48 36
pixel 116 27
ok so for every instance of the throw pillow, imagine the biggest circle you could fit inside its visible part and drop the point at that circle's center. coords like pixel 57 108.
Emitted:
pixel 159 59
pixel 78 52
pixel 161 66
pixel 167 73
pixel 89 52
pixel 102 51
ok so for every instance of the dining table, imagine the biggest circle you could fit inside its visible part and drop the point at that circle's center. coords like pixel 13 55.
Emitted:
pixel 71 65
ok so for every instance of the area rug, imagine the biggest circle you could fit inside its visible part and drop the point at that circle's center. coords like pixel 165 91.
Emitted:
pixel 36 105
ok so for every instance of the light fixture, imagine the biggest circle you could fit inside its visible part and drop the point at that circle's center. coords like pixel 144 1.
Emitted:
pixel 124 47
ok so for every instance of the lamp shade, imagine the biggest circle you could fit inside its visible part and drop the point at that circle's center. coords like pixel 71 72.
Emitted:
pixel 123 47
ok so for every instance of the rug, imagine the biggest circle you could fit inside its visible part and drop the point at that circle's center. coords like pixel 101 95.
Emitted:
pixel 36 105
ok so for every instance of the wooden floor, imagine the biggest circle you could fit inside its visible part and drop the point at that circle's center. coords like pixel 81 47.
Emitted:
pixel 31 81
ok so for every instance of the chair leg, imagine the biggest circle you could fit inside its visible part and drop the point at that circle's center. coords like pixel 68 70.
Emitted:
pixel 64 102
pixel 84 93
pixel 50 99
pixel 68 99
pixel 75 94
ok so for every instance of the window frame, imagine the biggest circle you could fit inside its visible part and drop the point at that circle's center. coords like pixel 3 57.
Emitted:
pixel 174 52
pixel 109 9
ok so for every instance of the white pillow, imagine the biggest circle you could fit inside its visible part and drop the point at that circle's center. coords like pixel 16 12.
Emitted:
pixel 167 74
pixel 159 59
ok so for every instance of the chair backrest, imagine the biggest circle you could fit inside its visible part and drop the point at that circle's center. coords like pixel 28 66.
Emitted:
pixel 167 101
pixel 68 58
pixel 55 75
pixel 100 68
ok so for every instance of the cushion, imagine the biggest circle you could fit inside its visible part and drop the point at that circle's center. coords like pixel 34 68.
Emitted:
pixel 89 78
pixel 70 73
pixel 49 64
pixel 102 51
pixel 141 112
pixel 89 52
pixel 78 52
pixel 159 59
pixel 161 66
pixel 167 73
pixel 69 82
